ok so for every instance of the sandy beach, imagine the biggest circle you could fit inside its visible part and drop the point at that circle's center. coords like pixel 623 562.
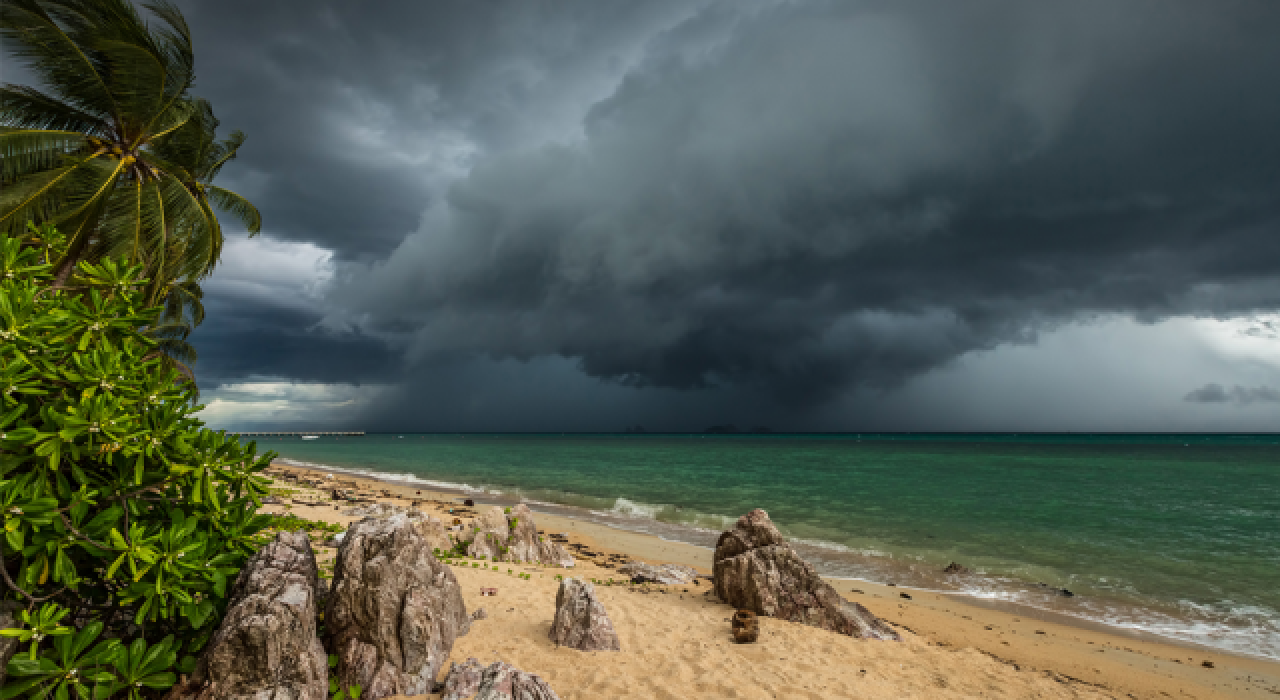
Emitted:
pixel 676 640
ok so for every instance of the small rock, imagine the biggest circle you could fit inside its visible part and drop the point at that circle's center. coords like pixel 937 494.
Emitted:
pixel 1207 664
pixel 479 614
pixel 463 680
pixel 469 503
pixel 954 568
pixel 746 635
pixel 904 595
pixel 665 574
pixel 497 681
pixel 746 627
pixel 581 621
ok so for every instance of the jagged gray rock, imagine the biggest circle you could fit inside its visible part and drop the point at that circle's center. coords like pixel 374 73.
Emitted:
pixel 8 645
pixel 497 681
pixel 266 646
pixel 665 574
pixel 581 621
pixel 489 535
pixel 513 537
pixel 394 611
pixel 526 545
pixel 463 680
pixel 755 569
pixel 432 528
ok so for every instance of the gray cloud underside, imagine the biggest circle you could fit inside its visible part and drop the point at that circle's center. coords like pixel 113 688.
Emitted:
pixel 1216 393
pixel 801 197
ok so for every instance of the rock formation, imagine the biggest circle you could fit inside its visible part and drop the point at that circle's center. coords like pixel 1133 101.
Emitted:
pixel 755 569
pixel 581 622
pixel 394 611
pixel 432 528
pixel 266 646
pixel 463 680
pixel 498 681
pixel 513 537
pixel 665 574
pixel 489 536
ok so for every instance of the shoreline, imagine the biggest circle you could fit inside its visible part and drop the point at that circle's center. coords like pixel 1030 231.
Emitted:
pixel 1096 655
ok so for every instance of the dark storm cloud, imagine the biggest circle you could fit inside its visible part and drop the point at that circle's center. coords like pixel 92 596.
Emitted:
pixel 1216 393
pixel 355 110
pixel 237 343
pixel 788 200
pixel 814 196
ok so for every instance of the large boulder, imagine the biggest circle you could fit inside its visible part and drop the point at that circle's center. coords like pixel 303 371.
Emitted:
pixel 266 646
pixel 665 574
pixel 581 622
pixel 394 610
pixel 755 569
pixel 513 537
pixel 432 528
pixel 497 681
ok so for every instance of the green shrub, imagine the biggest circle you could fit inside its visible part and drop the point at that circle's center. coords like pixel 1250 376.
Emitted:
pixel 123 515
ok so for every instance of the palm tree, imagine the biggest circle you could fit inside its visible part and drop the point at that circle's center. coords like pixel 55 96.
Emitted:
pixel 116 152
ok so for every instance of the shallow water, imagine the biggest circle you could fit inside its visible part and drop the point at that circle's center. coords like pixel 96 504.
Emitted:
pixel 1173 534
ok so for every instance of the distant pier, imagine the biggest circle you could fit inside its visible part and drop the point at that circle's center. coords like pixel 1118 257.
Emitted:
pixel 258 433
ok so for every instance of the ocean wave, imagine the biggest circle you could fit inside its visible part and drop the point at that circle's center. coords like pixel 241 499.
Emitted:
pixel 387 476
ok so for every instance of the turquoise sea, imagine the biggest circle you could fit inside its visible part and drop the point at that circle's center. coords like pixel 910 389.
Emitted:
pixel 1178 535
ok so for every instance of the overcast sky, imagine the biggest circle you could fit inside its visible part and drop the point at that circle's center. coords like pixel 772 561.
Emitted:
pixel 586 215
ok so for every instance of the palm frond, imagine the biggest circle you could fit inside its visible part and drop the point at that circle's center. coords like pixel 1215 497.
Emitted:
pixel 224 152
pixel 175 45
pixel 237 206
pixel 35 37
pixel 27 108
pixel 138 83
pixel 40 197
pixel 29 151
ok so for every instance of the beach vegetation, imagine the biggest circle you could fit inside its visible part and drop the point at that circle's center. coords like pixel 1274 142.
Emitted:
pixel 113 149
pixel 124 517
